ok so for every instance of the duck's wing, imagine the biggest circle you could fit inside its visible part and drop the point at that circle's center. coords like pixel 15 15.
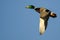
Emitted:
pixel 42 26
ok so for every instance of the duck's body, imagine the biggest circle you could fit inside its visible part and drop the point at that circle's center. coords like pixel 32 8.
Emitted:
pixel 44 16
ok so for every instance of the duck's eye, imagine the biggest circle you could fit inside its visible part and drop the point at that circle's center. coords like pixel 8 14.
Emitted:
pixel 47 10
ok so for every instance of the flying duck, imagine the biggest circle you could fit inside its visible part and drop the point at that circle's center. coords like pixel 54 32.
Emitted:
pixel 44 16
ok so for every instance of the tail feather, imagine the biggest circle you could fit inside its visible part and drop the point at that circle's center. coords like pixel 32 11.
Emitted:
pixel 53 15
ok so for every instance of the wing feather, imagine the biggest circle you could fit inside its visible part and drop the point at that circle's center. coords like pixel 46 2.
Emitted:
pixel 42 26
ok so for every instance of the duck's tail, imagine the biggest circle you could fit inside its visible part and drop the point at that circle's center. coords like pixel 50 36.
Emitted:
pixel 53 15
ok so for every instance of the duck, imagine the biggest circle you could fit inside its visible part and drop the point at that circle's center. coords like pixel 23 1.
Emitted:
pixel 44 17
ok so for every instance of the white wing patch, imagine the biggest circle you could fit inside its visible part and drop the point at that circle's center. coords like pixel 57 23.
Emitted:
pixel 41 26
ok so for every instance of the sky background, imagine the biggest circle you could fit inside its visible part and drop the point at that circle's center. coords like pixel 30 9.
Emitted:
pixel 19 23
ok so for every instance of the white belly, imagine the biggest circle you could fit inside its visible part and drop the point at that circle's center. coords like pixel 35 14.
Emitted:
pixel 41 26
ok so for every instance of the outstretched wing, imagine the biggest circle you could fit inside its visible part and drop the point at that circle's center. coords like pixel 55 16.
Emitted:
pixel 42 26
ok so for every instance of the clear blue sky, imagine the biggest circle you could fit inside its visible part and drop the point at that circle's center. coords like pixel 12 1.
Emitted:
pixel 19 23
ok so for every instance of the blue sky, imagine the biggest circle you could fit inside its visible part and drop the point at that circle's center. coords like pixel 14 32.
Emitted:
pixel 19 23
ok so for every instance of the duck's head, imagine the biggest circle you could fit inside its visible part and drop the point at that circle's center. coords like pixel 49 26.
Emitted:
pixel 30 7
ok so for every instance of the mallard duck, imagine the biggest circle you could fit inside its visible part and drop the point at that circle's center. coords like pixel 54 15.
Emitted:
pixel 44 16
